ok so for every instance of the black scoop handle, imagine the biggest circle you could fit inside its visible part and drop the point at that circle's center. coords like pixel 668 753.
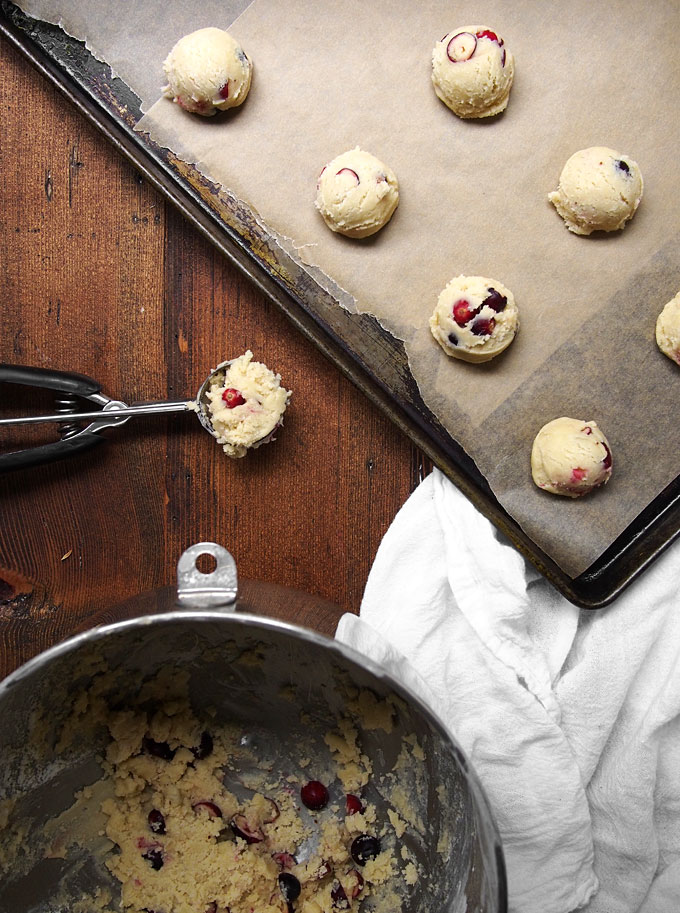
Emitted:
pixel 49 453
pixel 60 381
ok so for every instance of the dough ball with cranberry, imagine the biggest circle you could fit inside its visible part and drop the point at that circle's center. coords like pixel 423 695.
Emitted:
pixel 570 457
pixel 356 194
pixel 599 190
pixel 475 318
pixel 207 71
pixel 472 71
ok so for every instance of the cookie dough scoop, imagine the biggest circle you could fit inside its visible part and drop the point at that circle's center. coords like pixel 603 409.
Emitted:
pixel 599 190
pixel 240 403
pixel 570 457
pixel 207 71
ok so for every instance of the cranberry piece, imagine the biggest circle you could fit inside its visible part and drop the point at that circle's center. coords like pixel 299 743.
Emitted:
pixel 578 474
pixel 453 339
pixel 204 748
pixel 483 326
pixel 495 300
pixel 241 827
pixel 622 166
pixel 462 312
pixel 224 91
pixel 502 57
pixel 156 821
pixel 158 749
pixel 214 811
pixel 232 398
pixel 587 430
pixel 364 847
pixel 607 461
pixel 349 171
pixel 314 795
pixel 323 870
pixel 212 907
pixel 357 882
pixel 273 812
pixel 289 886
pixel 155 857
pixel 339 897
pixel 353 804
pixel 285 860
pixel 461 47
pixel 487 33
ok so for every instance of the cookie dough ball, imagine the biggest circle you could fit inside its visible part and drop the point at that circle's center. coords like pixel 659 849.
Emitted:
pixel 207 71
pixel 668 329
pixel 475 318
pixel 599 190
pixel 246 405
pixel 472 71
pixel 356 194
pixel 570 457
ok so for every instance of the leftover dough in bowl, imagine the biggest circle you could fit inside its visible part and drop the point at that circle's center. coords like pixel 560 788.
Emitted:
pixel 599 190
pixel 472 71
pixel 570 457
pixel 246 403
pixel 475 318
pixel 356 194
pixel 207 71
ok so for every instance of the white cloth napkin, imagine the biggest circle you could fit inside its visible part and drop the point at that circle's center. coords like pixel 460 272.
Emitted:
pixel 570 718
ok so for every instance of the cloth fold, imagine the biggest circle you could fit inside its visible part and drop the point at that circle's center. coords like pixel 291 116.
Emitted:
pixel 570 718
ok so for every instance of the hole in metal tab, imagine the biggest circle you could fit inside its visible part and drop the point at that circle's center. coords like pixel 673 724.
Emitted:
pixel 206 563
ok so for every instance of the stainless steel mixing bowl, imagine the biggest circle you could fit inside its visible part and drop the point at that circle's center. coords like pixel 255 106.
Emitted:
pixel 205 638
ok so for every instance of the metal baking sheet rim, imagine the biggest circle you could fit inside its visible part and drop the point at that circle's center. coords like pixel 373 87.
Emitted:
pixel 231 227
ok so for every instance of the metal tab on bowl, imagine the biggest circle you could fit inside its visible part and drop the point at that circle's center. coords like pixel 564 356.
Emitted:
pixel 199 590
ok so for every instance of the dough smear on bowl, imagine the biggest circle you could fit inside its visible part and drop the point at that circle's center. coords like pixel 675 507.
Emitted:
pixel 246 405
pixel 668 329
pixel 475 318
pixel 472 71
pixel 570 457
pixel 356 194
pixel 599 190
pixel 207 71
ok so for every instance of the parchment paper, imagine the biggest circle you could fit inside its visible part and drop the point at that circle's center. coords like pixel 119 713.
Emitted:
pixel 473 200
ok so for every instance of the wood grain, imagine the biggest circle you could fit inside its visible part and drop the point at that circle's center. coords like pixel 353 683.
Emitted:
pixel 101 276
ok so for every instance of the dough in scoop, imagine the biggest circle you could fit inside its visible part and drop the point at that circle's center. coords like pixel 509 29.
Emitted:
pixel 570 457
pixel 475 318
pixel 472 71
pixel 599 190
pixel 356 194
pixel 668 329
pixel 207 71
pixel 246 405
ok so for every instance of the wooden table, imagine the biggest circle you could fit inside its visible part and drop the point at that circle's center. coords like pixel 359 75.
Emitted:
pixel 101 276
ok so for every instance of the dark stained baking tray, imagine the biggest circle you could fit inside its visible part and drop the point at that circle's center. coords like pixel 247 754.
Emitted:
pixel 356 343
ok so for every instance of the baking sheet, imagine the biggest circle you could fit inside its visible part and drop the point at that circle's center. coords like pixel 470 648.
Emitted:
pixel 474 201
